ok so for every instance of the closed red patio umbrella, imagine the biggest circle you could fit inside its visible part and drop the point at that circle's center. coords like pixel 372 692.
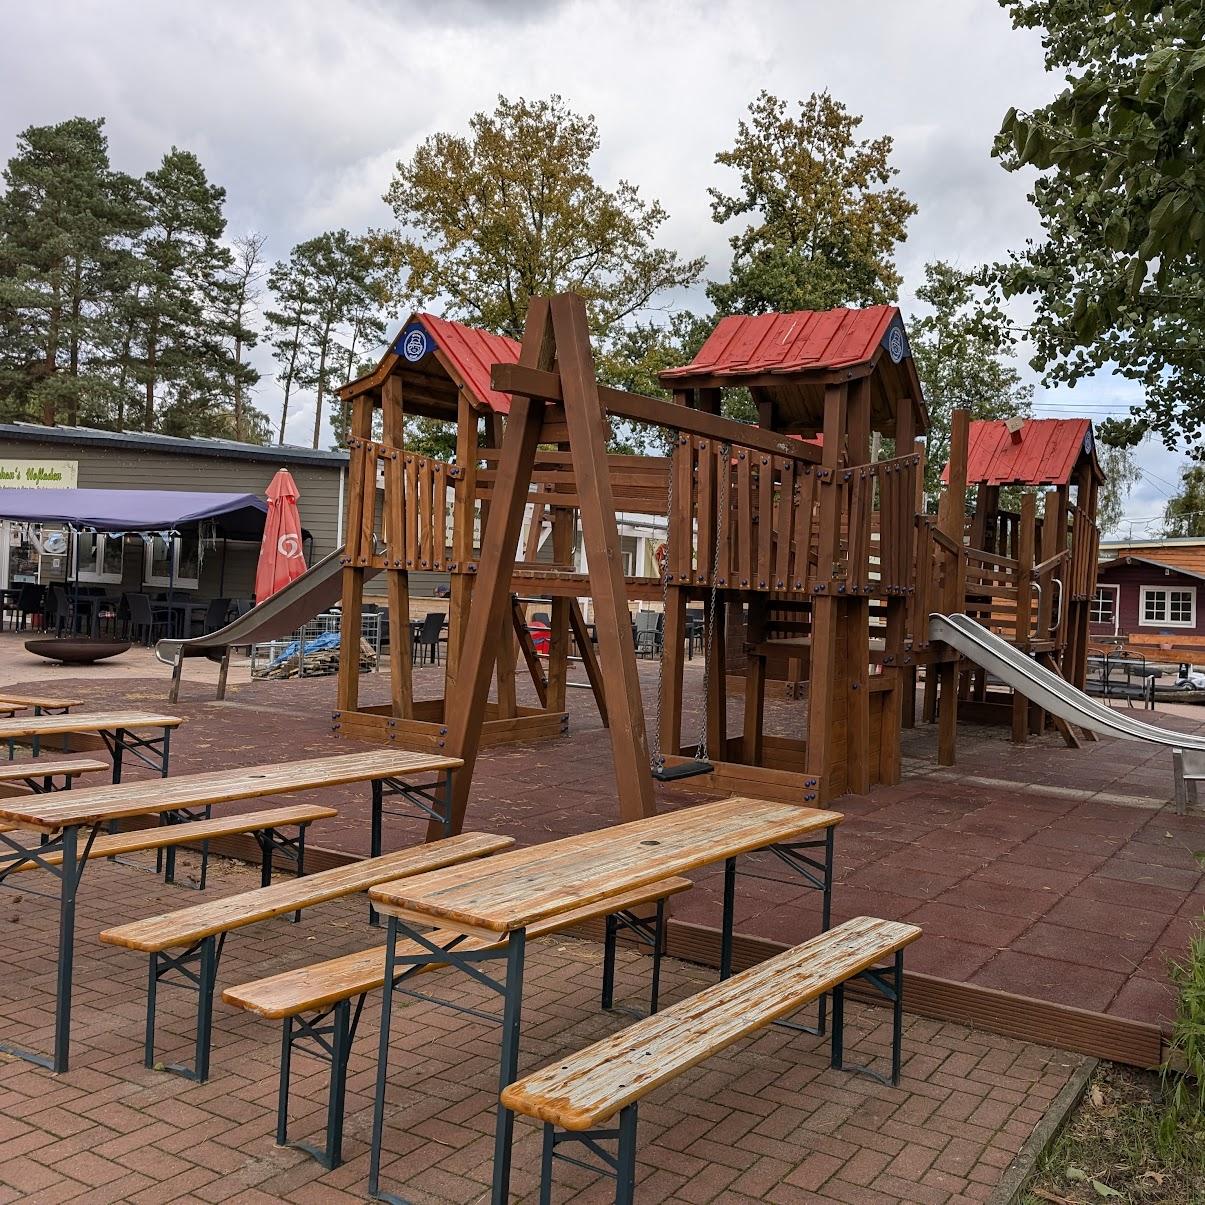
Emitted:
pixel 280 555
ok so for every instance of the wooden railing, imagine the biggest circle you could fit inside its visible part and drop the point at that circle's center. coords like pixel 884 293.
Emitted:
pixel 410 528
pixel 1085 553
pixel 750 521
pixel 639 483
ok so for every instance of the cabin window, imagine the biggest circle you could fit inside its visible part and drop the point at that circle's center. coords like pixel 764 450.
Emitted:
pixel 1160 607
pixel 1104 605
pixel 173 563
pixel 99 557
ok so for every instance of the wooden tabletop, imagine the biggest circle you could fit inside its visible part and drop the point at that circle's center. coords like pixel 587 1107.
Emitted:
pixel 85 721
pixel 94 805
pixel 516 889
pixel 36 701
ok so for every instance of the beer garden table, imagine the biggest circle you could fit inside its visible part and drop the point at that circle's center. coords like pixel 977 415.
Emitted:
pixel 499 897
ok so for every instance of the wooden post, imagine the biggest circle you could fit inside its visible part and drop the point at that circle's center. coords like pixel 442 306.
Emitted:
pixel 558 637
pixel 401 674
pixel 715 629
pixel 1023 640
pixel 856 612
pixel 465 710
pixel 589 661
pixel 505 660
pixel 587 424
pixel 824 669
pixel 951 520
pixel 673 640
pixel 361 478
pixel 755 681
pixel 463 516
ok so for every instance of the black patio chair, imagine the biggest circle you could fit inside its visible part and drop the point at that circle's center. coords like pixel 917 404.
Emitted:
pixel 649 626
pixel 215 615
pixel 31 600
pixel 428 639
pixel 145 619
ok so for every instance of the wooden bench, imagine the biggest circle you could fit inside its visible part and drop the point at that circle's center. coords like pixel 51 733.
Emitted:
pixel 117 731
pixel 39 773
pixel 327 990
pixel 199 932
pixel 41 704
pixel 577 1094
pixel 263 826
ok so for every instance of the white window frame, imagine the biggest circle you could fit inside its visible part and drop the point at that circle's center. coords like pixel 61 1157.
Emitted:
pixel 1116 592
pixel 1145 591
pixel 159 579
pixel 96 574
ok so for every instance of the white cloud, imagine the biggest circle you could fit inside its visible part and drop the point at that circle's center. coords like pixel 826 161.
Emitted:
pixel 301 109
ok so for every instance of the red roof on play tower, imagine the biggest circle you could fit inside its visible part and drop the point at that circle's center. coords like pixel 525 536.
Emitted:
pixel 742 345
pixel 1031 451
pixel 472 352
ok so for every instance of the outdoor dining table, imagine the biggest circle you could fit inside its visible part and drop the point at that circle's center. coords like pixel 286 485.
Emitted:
pixel 68 822
pixel 499 897
pixel 117 729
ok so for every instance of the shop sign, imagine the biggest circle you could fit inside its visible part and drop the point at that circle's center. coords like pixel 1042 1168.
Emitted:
pixel 38 474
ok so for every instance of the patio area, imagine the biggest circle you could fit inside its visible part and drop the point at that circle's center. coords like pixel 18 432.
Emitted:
pixel 768 1121
pixel 1049 882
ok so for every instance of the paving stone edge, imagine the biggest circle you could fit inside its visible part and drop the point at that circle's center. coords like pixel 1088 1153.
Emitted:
pixel 1021 1170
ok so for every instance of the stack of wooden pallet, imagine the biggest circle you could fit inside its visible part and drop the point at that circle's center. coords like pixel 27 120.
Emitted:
pixel 316 661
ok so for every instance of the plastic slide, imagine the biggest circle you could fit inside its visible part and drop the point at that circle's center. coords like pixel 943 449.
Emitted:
pixel 276 617
pixel 1045 687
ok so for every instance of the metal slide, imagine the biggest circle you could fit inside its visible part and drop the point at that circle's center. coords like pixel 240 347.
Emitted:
pixel 275 618
pixel 1045 687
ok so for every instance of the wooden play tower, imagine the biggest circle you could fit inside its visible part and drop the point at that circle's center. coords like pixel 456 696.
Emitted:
pixel 792 522
pixel 1026 570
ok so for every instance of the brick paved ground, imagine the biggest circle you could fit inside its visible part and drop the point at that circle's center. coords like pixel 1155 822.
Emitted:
pixel 767 1121
pixel 1055 873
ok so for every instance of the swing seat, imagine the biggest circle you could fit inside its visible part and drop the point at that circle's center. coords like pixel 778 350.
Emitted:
pixel 686 769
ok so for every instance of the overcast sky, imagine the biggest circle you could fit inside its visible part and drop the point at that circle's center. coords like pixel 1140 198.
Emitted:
pixel 301 109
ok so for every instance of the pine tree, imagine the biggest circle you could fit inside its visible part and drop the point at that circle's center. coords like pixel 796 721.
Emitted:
pixel 66 222
pixel 184 358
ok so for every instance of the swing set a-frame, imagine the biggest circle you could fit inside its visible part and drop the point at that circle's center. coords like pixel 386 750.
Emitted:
pixel 804 536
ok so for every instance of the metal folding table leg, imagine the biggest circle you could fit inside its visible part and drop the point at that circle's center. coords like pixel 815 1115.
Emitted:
pixel 729 913
pixel 508 1064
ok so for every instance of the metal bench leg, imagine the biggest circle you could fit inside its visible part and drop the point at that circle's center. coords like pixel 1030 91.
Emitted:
pixel 546 1163
pixel 337 1095
pixel 608 978
pixel 286 1073
pixel 897 1020
pixel 1181 787
pixel 837 1040
pixel 206 954
pixel 625 1168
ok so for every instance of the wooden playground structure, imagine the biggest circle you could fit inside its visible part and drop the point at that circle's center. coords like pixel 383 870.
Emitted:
pixel 808 548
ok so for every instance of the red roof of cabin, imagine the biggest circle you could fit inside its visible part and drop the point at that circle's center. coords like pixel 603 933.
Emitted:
pixel 1046 453
pixel 472 353
pixel 808 339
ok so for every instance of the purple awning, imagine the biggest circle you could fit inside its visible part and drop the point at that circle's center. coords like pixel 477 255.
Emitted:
pixel 235 516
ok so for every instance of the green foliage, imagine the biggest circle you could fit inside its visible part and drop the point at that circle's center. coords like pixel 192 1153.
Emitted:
pixel 961 348
pixel 329 296
pixel 1184 514
pixel 431 437
pixel 66 224
pixel 513 211
pixel 1184 1073
pixel 824 218
pixel 1117 279
pixel 1120 467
